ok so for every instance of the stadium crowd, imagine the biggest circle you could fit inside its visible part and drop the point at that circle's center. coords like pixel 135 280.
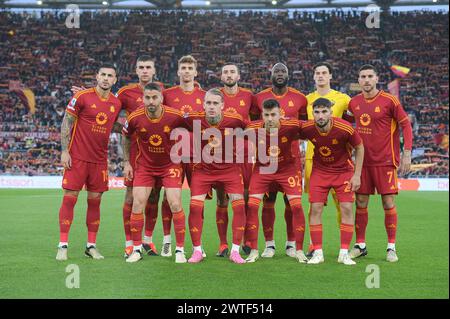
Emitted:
pixel 47 57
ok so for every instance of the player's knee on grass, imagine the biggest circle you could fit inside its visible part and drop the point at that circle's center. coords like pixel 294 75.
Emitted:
pixel 388 201
pixel 346 213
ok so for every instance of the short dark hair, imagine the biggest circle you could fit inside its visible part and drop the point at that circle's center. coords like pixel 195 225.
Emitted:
pixel 325 64
pixel 153 87
pixel 107 65
pixel 231 63
pixel 145 58
pixel 270 104
pixel 322 102
pixel 368 67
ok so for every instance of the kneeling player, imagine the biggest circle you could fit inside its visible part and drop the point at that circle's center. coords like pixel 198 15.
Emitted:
pixel 332 169
pixel 287 175
pixel 153 125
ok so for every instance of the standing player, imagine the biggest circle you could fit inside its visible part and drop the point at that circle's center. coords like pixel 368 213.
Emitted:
pixel 152 125
pixel 333 140
pixel 215 172
pixel 185 97
pixel 323 73
pixel 287 176
pixel 237 100
pixel 378 116
pixel 89 120
pixel 293 105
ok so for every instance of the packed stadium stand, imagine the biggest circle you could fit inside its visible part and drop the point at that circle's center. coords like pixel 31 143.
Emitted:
pixel 45 56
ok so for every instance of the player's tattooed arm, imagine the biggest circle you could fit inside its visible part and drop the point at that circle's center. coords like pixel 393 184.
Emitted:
pixel 117 127
pixel 66 128
pixel 127 169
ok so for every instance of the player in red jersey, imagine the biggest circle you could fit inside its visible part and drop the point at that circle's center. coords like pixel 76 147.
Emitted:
pixel 216 170
pixel 378 116
pixel 333 140
pixel 131 97
pixel 293 105
pixel 237 100
pixel 152 125
pixel 89 120
pixel 185 97
pixel 281 161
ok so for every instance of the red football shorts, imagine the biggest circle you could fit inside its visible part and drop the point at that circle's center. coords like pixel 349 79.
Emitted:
pixel 171 176
pixel 229 179
pixel 93 175
pixel 288 179
pixel 381 178
pixel 276 187
pixel 322 182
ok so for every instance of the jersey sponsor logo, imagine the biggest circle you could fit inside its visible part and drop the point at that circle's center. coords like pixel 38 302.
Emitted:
pixel 242 103
pixel 231 110
pixel 101 118
pixel 274 151
pixel 198 101
pixel 377 109
pixel 155 140
pixel 93 106
pixel 335 141
pixel 186 108
pixel 365 119
pixel 325 151
pixel 290 103
pixel 112 109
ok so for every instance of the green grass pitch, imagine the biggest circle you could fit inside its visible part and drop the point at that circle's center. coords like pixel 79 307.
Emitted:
pixel 28 269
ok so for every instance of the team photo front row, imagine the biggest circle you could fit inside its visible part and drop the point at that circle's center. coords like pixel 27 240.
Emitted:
pixel 246 157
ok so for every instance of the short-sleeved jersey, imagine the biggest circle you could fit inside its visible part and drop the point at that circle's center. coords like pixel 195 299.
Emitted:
pixel 293 105
pixel 153 135
pixel 239 103
pixel 184 101
pixel 286 135
pixel 95 118
pixel 131 96
pixel 216 145
pixel 377 122
pixel 332 150
pixel 340 105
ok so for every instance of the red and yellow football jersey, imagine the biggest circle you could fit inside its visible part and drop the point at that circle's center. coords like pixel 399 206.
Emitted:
pixel 186 102
pixel 239 103
pixel 153 135
pixel 95 118
pixel 287 134
pixel 332 150
pixel 377 122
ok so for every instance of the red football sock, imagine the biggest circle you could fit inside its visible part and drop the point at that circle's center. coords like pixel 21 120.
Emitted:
pixel 222 223
pixel 196 221
pixel 238 223
pixel 66 217
pixel 136 225
pixel 93 218
pixel 268 219
pixel 289 224
pixel 151 215
pixel 316 236
pixel 361 220
pixel 390 222
pixel 166 217
pixel 126 220
pixel 252 224
pixel 179 224
pixel 298 221
pixel 346 235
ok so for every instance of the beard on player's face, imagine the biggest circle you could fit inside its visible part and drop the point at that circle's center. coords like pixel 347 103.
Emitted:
pixel 230 84
pixel 279 82
pixel 322 123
